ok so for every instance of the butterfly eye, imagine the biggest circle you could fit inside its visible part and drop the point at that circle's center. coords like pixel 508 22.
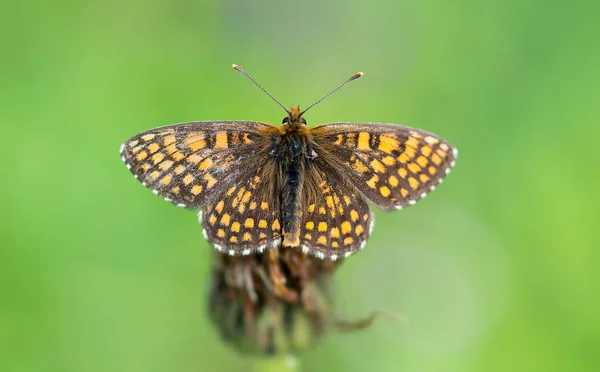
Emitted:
pixel 303 121
pixel 285 120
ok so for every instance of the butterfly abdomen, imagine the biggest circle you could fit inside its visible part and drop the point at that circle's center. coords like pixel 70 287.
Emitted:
pixel 293 150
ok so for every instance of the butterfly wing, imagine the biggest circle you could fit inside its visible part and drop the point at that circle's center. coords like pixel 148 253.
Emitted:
pixel 189 164
pixel 336 220
pixel 391 165
pixel 245 218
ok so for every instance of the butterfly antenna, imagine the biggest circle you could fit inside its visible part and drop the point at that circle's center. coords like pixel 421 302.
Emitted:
pixel 239 69
pixel 353 77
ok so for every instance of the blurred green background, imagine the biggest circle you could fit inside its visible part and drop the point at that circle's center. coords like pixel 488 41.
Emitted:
pixel 497 269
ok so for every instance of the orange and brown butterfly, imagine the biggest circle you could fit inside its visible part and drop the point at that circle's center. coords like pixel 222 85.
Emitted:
pixel 257 185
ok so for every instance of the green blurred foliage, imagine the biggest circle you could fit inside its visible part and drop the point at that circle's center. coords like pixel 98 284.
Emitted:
pixel 497 269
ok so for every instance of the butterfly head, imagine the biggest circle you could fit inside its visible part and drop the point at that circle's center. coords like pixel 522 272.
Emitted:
pixel 294 118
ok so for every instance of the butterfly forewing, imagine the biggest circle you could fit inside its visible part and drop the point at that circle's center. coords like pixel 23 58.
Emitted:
pixel 336 220
pixel 391 165
pixel 191 163
pixel 246 217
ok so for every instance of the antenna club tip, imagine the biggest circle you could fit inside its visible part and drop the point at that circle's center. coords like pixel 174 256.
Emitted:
pixel 360 74
pixel 234 66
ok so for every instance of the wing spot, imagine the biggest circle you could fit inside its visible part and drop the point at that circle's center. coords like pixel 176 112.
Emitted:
pixel 385 191
pixel 311 208
pixel 347 200
pixel 339 140
pixel 188 179
pixel 166 164
pixel 264 206
pixel 169 140
pixel 372 183
pixel 235 227
pixel 175 190
pixel 402 172
pixel 431 140
pixel 365 217
pixel 413 167
pixel 426 150
pixel 404 192
pixel 167 179
pixel 158 157
pixel 335 232
pixel 212 219
pixel 322 210
pixel 233 239
pixel 154 174
pixel 210 180
pixel 310 225
pixel 275 226
pixel 262 224
pixel 335 245
pixel 197 145
pixel 196 189
pixel 359 230
pixel 348 241
pixel 249 223
pixel 177 156
pixel 375 164
pixel 388 144
pixel 360 167
pixel 142 155
pixel 346 227
pixel 179 169
pixel 246 139
pixel 424 178
pixel 322 240
pixel 432 170
pixel 422 161
pixel 194 158
pixel 393 181
pixel 363 141
pixel 247 237
pixel 322 226
pixel 412 142
pixel 221 140
pixel 221 233
pixel 219 206
pixel 307 236
pixel 246 197
pixel 225 219
pixel 206 163
pixel 444 147
pixel 410 152
pixel 148 137
pixel 252 206
pixel 413 182
pixel 435 158
pixel 388 160
pixel 354 215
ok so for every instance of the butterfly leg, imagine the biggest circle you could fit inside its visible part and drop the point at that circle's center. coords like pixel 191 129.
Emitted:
pixel 278 278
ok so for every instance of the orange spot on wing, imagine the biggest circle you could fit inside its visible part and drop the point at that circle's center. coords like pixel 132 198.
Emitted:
pixel 363 141
pixel 221 140
pixel 346 227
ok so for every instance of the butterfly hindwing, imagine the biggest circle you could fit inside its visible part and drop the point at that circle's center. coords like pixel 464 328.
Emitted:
pixel 189 163
pixel 336 220
pixel 391 165
pixel 245 218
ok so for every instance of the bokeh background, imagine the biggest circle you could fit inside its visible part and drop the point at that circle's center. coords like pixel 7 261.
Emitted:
pixel 496 270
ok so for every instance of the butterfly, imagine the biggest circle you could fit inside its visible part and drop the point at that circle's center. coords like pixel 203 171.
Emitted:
pixel 257 185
